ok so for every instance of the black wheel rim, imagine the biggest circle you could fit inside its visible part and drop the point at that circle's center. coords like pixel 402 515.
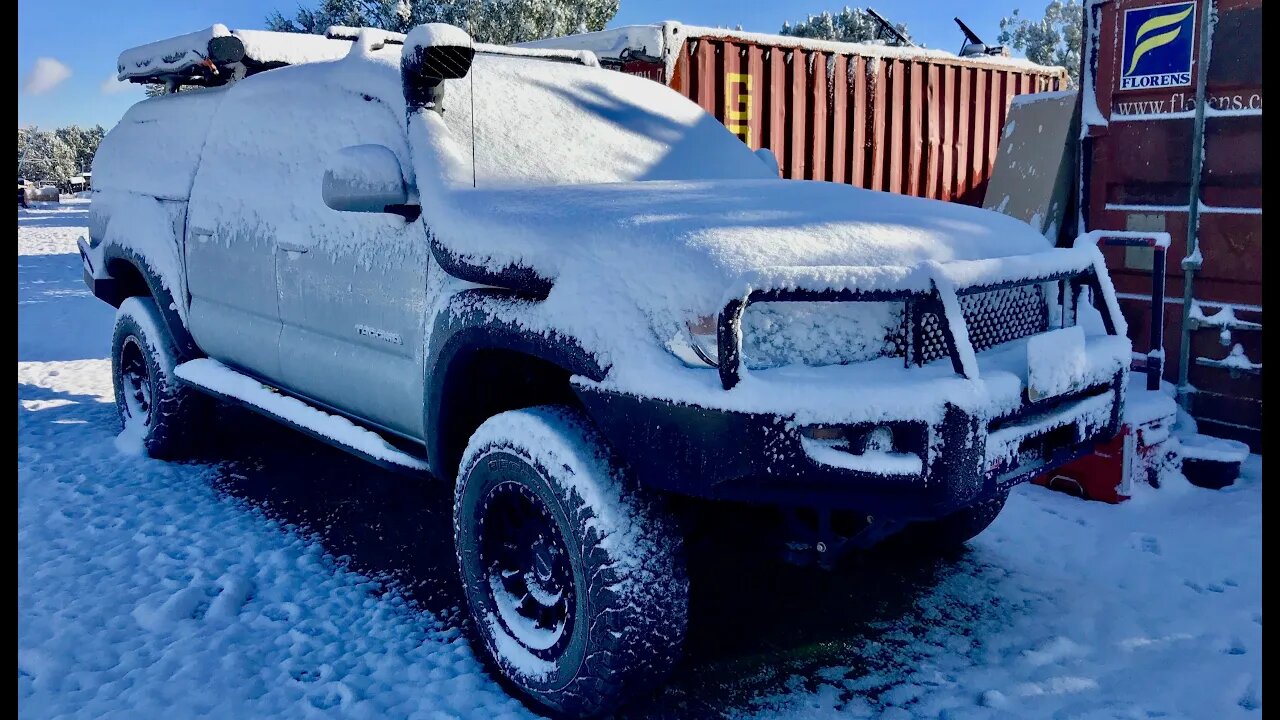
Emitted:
pixel 525 569
pixel 135 380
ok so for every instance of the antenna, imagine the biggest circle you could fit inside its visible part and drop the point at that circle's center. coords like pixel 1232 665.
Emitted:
pixel 969 35
pixel 973 45
pixel 889 28
pixel 471 29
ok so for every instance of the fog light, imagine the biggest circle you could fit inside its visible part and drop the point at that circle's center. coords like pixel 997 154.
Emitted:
pixel 872 439
pixel 879 439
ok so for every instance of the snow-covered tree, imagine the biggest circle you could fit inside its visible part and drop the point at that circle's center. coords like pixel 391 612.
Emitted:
pixel 1053 40
pixel 491 21
pixel 82 142
pixel 43 156
pixel 848 25
pixel 351 13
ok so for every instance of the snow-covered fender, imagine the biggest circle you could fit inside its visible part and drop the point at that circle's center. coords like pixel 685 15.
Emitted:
pixel 114 273
pixel 488 320
pixel 517 278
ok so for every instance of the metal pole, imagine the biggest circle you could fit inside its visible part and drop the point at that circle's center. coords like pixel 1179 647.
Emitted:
pixel 1189 267
pixel 1155 363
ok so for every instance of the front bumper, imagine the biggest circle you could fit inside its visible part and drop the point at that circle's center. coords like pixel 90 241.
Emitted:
pixel 760 458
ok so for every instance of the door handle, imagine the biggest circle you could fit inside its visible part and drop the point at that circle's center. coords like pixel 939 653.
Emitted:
pixel 201 233
pixel 292 246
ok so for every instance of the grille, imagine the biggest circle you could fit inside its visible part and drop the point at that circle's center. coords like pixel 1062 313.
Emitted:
pixel 994 317
pixel 1000 316
pixel 932 341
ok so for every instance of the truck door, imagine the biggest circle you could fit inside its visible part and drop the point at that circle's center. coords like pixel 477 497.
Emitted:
pixel 230 246
pixel 352 286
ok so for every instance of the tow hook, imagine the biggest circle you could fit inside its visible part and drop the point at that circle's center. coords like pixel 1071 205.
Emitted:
pixel 822 537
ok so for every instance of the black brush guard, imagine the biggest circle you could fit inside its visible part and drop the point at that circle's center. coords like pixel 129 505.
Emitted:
pixel 919 305
pixel 758 458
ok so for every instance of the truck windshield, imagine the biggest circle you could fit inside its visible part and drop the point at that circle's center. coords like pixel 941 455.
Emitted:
pixel 540 122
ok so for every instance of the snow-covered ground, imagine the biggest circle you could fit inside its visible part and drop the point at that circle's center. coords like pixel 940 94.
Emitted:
pixel 240 586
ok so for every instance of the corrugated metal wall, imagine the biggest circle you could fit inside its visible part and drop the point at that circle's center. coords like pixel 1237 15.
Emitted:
pixel 922 127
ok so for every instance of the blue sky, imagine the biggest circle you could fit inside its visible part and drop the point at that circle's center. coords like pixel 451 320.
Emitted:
pixel 85 36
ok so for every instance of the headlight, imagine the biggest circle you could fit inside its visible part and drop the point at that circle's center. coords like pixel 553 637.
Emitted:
pixel 696 346
pixel 775 334
pixel 818 333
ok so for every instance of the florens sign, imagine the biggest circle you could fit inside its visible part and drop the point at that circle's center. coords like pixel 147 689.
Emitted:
pixel 1158 45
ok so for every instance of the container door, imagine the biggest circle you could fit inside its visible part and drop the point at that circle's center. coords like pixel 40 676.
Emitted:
pixel 1139 112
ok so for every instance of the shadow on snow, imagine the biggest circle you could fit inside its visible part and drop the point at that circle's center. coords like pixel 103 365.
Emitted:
pixel 755 624
pixel 51 216
pixel 757 627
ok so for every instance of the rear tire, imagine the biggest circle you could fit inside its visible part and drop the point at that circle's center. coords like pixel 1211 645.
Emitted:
pixel 154 407
pixel 574 577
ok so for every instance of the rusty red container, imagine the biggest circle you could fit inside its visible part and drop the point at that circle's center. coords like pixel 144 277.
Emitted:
pixel 1142 68
pixel 906 120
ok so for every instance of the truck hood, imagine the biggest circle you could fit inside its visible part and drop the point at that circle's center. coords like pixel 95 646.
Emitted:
pixel 723 229
pixel 677 250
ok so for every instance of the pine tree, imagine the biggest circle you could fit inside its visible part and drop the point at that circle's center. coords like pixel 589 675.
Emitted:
pixel 849 25
pixel 82 142
pixel 44 157
pixel 1053 40
pixel 491 21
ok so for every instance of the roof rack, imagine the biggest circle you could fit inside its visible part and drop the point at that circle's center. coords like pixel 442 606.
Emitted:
pixel 217 56
pixel 388 37
pixel 378 36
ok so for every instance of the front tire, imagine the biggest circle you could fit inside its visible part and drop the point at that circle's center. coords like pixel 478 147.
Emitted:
pixel 155 409
pixel 574 577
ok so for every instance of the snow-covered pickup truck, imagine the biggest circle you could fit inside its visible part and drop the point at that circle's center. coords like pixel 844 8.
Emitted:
pixel 576 296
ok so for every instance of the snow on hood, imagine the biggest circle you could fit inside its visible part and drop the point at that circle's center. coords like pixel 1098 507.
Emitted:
pixel 681 245
pixel 632 263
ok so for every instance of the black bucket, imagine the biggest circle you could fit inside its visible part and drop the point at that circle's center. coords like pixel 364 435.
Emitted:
pixel 1212 474
pixel 1211 462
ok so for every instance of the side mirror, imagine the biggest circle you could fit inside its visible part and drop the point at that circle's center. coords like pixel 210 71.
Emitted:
pixel 367 178
pixel 769 159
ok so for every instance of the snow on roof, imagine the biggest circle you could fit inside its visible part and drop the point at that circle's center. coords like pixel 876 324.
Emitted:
pixel 437 34
pixel 171 54
pixel 1028 98
pixel 664 40
pixel 441 36
pixel 377 35
pixel 610 43
pixel 580 57
pixel 261 47
pixel 266 47
pixel 184 53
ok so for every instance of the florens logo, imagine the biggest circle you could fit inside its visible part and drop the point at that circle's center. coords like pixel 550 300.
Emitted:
pixel 1158 45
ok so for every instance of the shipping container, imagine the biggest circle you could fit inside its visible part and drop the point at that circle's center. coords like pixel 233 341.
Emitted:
pixel 906 120
pixel 1172 141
